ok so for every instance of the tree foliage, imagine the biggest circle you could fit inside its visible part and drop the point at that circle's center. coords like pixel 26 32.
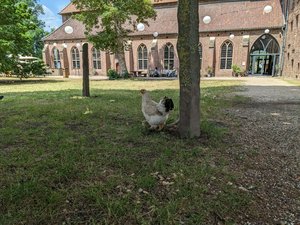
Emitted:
pixel 21 31
pixel 109 23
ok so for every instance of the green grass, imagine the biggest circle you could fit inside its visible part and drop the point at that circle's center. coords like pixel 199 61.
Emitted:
pixel 291 81
pixel 72 160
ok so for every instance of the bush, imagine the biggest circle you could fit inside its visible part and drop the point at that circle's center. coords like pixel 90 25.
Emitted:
pixel 236 70
pixel 210 71
pixel 125 75
pixel 112 74
pixel 25 69
pixel 38 68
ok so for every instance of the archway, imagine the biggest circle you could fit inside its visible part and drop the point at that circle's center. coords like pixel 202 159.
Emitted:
pixel 264 56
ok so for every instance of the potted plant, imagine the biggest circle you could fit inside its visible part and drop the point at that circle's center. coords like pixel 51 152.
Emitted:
pixel 236 70
pixel 209 71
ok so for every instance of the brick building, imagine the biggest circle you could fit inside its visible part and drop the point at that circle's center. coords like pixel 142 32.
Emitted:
pixel 240 33
pixel 291 66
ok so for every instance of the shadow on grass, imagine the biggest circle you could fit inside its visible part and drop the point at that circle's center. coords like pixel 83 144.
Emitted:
pixel 68 159
pixel 28 81
pixel 120 107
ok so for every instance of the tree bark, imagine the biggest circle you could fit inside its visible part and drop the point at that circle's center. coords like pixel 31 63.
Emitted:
pixel 85 69
pixel 120 56
pixel 189 71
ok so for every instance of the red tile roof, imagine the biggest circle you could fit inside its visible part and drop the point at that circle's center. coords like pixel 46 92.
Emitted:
pixel 226 16
pixel 70 8
pixel 60 34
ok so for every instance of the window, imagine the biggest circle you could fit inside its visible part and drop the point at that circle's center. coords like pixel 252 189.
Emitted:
pixel 297 21
pixel 200 54
pixel 96 58
pixel 226 55
pixel 56 58
pixel 75 58
pixel 142 57
pixel 292 26
pixel 169 57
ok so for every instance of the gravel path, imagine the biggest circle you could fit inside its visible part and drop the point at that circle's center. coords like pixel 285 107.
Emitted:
pixel 265 150
pixel 262 89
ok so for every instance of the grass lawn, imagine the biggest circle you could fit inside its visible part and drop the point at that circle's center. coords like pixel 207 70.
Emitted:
pixel 72 160
pixel 293 81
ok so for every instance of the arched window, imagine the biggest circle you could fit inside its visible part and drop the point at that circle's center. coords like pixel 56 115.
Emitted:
pixel 226 55
pixel 142 57
pixel 169 57
pixel 56 58
pixel 200 54
pixel 75 58
pixel 266 44
pixel 96 58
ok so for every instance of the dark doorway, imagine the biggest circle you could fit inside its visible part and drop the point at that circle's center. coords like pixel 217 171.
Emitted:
pixel 264 56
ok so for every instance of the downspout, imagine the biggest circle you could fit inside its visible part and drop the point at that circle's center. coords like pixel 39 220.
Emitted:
pixel 285 30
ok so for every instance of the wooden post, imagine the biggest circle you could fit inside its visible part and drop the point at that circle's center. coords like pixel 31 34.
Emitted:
pixel 85 69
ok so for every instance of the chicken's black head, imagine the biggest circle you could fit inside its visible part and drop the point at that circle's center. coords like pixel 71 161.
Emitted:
pixel 143 91
pixel 169 105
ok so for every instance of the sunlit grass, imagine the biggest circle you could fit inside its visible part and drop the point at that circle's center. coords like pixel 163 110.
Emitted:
pixel 48 84
pixel 295 82
pixel 73 160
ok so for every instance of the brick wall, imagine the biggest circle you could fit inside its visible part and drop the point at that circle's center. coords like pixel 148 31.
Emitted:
pixel 292 51
pixel 211 54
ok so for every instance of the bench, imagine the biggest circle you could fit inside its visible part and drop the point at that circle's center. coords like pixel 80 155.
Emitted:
pixel 139 73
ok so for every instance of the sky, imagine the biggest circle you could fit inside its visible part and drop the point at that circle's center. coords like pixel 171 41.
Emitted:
pixel 51 10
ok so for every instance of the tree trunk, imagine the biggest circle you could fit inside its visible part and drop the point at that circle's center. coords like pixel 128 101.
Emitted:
pixel 189 71
pixel 85 68
pixel 120 56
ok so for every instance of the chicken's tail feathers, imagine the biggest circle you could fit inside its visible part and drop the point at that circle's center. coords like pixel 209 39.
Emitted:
pixel 169 104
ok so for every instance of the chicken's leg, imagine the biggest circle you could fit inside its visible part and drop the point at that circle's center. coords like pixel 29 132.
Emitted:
pixel 161 126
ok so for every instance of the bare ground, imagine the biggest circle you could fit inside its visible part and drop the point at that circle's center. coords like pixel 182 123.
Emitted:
pixel 265 150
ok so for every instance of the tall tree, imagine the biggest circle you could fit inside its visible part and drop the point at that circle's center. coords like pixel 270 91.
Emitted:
pixel 36 35
pixel 20 30
pixel 114 20
pixel 189 79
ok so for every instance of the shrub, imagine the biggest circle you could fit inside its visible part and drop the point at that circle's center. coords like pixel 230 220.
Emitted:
pixel 24 69
pixel 38 68
pixel 112 74
pixel 125 75
pixel 236 69
pixel 210 71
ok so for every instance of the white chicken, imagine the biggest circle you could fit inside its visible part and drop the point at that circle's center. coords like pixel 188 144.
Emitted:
pixel 156 114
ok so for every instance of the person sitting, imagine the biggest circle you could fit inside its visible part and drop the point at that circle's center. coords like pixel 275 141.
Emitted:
pixel 156 72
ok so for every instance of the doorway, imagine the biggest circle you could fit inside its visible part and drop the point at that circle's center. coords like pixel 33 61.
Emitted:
pixel 264 64
pixel 264 56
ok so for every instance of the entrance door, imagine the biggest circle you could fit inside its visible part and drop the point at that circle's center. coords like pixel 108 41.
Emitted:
pixel 264 64
pixel 264 56
pixel 258 65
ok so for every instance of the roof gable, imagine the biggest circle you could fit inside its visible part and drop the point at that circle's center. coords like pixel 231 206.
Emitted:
pixel 70 8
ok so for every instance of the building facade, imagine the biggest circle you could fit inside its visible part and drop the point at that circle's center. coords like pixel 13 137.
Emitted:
pixel 240 33
pixel 291 66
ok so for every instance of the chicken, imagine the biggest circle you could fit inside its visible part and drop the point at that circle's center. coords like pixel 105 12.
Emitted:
pixel 156 114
